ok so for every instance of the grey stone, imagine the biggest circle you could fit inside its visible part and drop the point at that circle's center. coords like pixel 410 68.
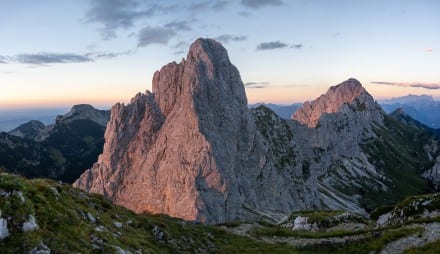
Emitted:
pixel 30 224
pixel 4 232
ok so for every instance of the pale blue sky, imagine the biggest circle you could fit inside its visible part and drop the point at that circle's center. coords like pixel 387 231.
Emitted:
pixel 103 51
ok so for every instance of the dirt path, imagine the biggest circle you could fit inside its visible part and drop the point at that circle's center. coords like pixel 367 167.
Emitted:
pixel 431 234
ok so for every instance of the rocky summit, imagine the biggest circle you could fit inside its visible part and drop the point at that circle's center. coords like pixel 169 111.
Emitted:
pixel 330 102
pixel 191 149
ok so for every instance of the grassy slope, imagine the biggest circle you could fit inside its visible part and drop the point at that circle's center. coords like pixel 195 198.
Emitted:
pixel 64 226
pixel 398 152
pixel 61 213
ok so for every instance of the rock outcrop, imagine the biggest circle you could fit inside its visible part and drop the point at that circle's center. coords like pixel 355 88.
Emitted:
pixel 330 102
pixel 191 148
pixel 433 174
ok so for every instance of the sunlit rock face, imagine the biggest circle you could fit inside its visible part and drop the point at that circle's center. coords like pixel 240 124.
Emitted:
pixel 330 102
pixel 191 148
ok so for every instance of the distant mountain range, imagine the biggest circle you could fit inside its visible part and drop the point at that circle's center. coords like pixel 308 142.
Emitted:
pixel 61 151
pixel 423 108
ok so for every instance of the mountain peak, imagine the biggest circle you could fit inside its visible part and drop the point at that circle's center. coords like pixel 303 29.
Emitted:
pixel 191 148
pixel 29 130
pixel 330 102
pixel 85 112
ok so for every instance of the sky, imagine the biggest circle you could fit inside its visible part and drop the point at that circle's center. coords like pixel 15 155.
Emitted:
pixel 65 52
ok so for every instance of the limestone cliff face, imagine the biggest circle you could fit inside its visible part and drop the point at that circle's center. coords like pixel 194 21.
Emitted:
pixel 191 148
pixel 330 102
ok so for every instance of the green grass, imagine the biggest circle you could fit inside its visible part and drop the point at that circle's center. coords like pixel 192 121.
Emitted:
pixel 327 218
pixel 397 151
pixel 61 214
pixel 284 232
pixel 431 248
pixel 375 243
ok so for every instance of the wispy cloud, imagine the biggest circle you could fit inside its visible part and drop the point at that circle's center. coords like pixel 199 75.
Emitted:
pixel 220 5
pixel 431 86
pixel 183 25
pixel 428 50
pixel 109 55
pixel 50 58
pixel 256 84
pixel 200 6
pixel 47 58
pixel 271 45
pixel 297 46
pixel 244 14
pixel 258 4
pixel 155 35
pixel 112 15
pixel 226 38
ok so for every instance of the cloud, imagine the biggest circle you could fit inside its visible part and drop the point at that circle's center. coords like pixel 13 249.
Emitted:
pixel 258 4
pixel 3 60
pixel 120 14
pixel 50 58
pixel 45 58
pixel 180 25
pixel 244 13
pixel 256 84
pixel 429 50
pixel 225 38
pixel 271 45
pixel 196 7
pixel 297 46
pixel 155 35
pixel 430 86
pixel 108 55
pixel 220 5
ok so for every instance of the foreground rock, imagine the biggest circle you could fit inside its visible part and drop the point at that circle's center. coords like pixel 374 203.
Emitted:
pixel 191 148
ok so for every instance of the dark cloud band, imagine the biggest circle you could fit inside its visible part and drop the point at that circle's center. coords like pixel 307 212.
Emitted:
pixel 258 4
pixel 271 45
pixel 256 84
pixel 50 58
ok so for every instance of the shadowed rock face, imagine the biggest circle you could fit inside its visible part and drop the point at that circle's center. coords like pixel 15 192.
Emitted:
pixel 330 102
pixel 191 148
